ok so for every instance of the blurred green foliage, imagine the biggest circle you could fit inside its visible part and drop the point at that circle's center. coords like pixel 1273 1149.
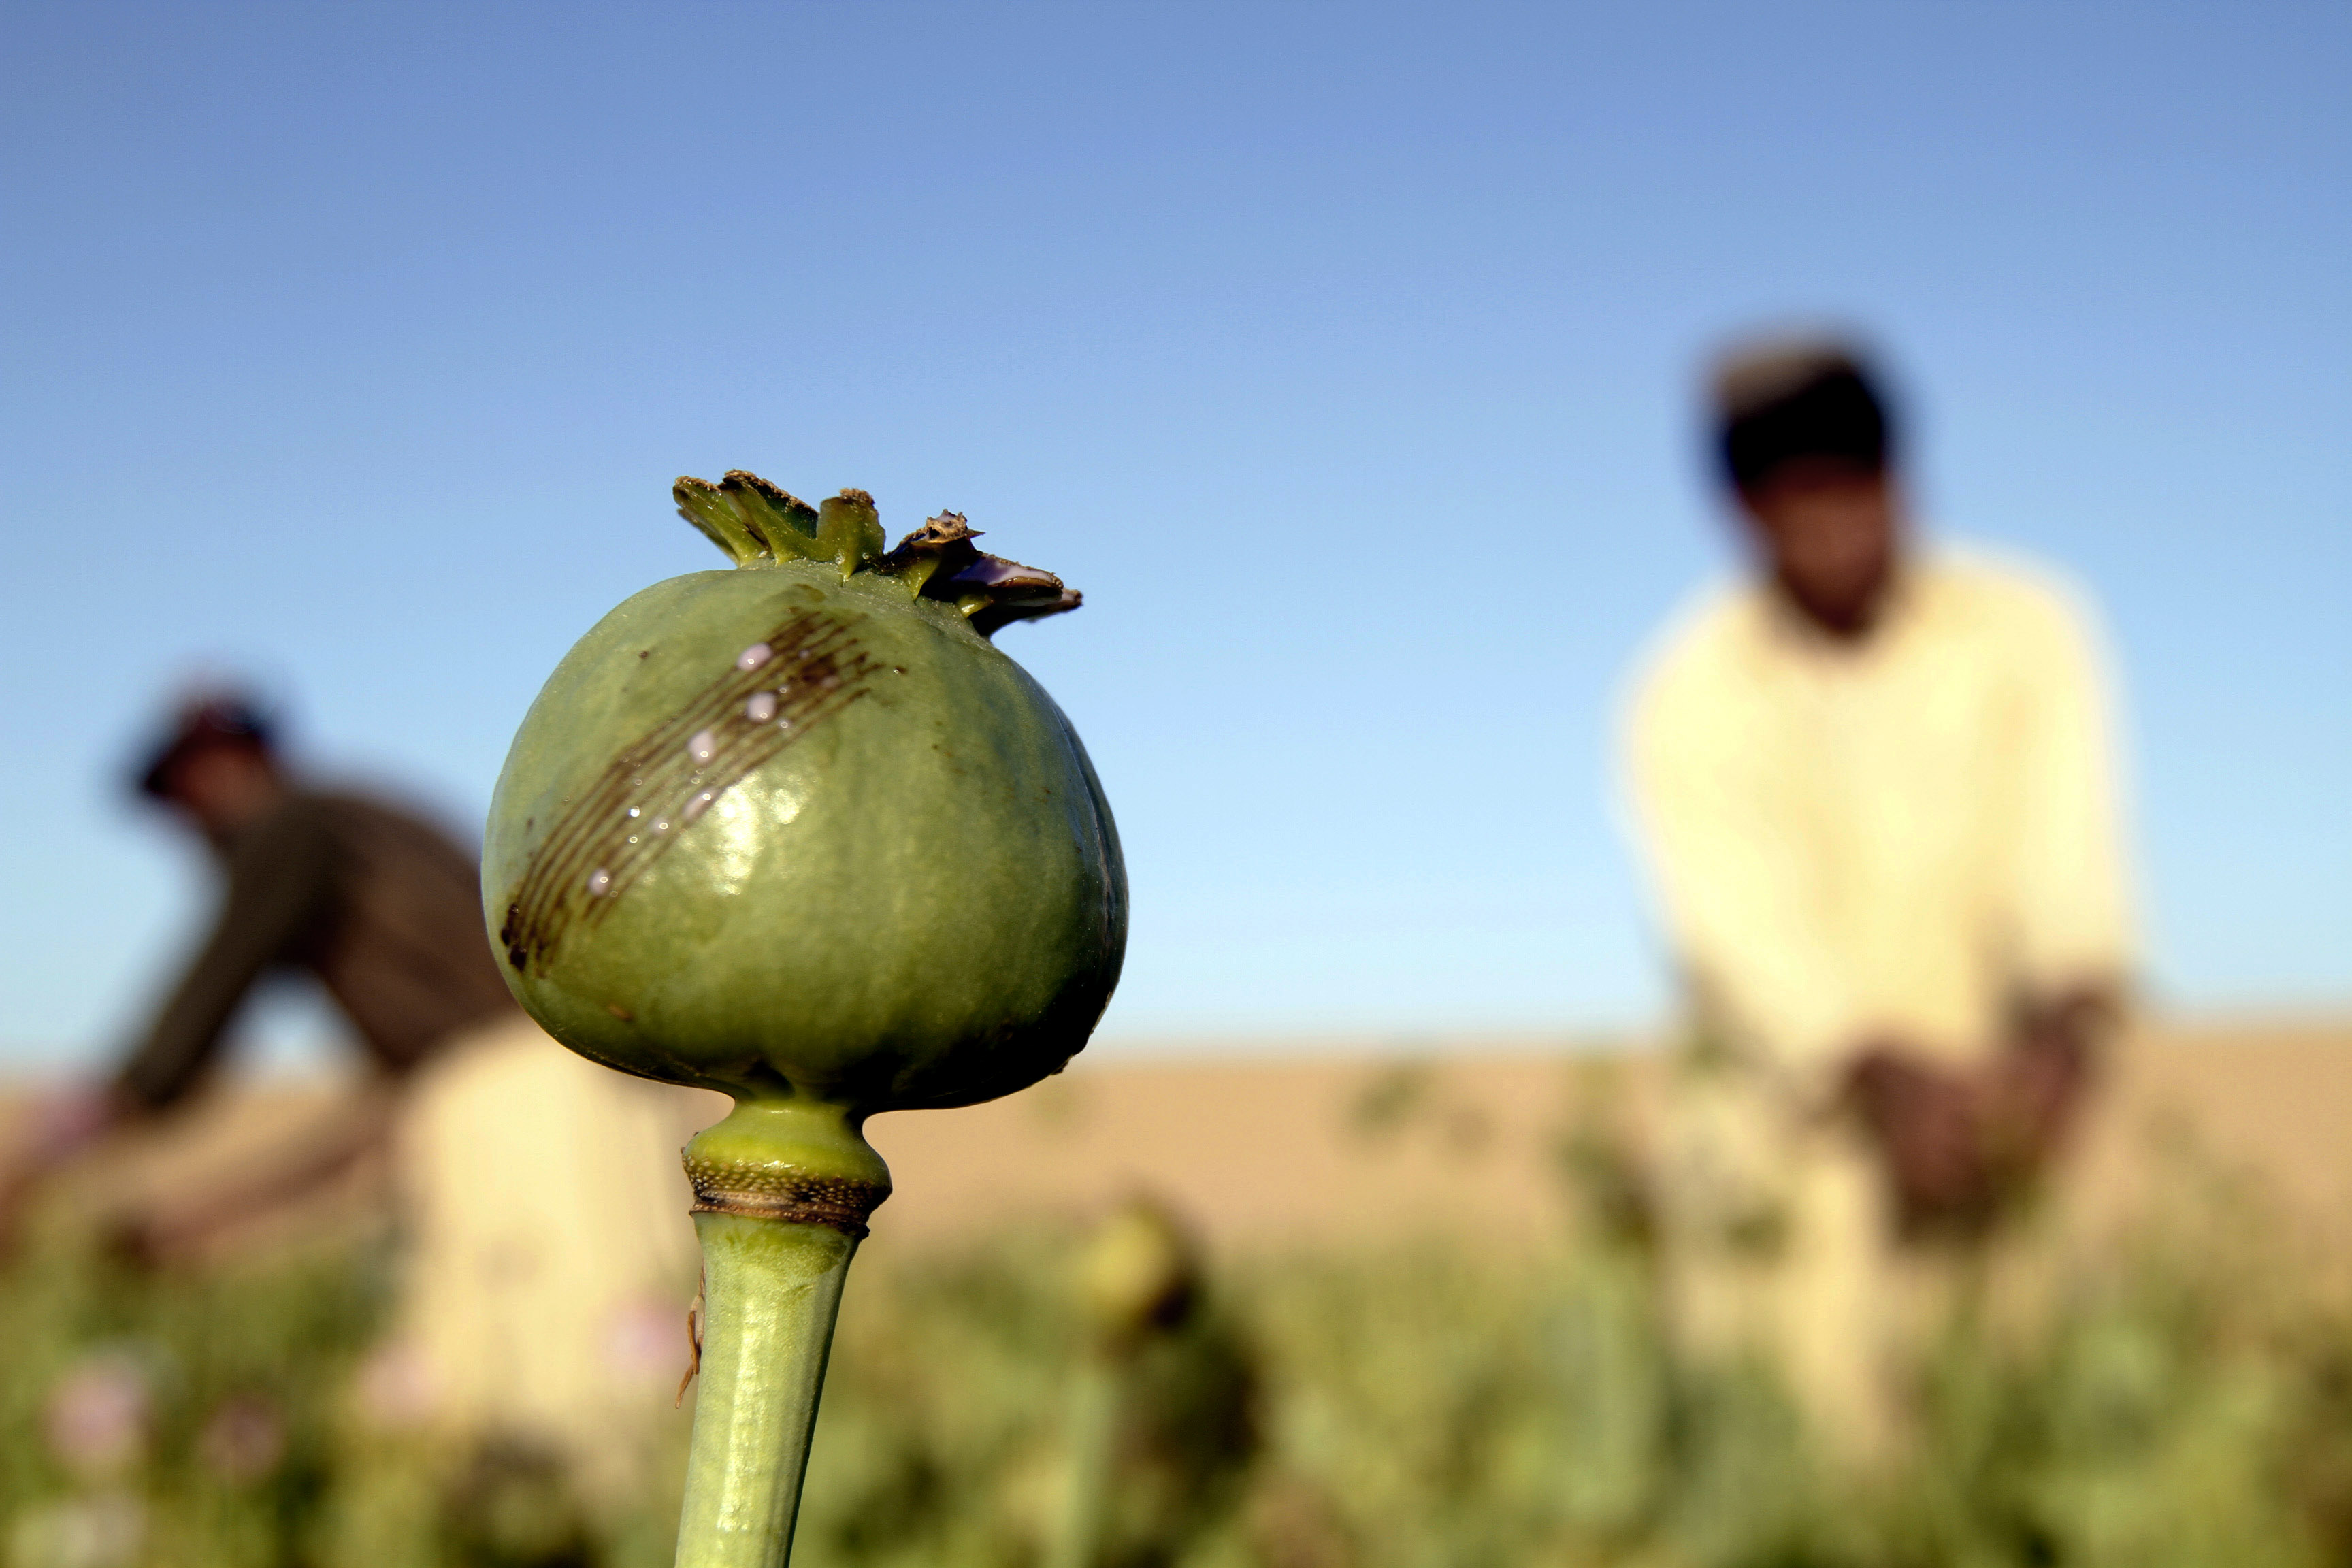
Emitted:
pixel 2183 1400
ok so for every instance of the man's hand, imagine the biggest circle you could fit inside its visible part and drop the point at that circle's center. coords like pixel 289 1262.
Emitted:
pixel 1927 1122
pixel 1960 1145
pixel 59 1127
pixel 185 1227
pixel 2035 1092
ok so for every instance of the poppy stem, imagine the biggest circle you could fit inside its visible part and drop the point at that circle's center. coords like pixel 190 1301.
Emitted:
pixel 782 1188
pixel 774 1288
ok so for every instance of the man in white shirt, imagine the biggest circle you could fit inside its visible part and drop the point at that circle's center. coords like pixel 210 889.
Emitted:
pixel 1874 785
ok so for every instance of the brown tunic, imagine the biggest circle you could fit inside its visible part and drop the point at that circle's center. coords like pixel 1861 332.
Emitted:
pixel 382 908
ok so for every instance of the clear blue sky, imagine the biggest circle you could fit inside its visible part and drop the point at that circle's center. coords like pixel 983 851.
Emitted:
pixel 1343 355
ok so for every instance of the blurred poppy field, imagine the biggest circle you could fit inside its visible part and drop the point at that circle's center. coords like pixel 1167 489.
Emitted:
pixel 2182 1396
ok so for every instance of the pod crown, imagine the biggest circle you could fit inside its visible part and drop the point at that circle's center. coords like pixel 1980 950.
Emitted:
pixel 758 524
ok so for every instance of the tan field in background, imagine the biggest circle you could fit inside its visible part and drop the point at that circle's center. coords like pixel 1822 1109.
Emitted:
pixel 1274 1147
pixel 1274 1144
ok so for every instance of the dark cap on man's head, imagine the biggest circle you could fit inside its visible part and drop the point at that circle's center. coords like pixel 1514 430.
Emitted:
pixel 211 718
pixel 1793 398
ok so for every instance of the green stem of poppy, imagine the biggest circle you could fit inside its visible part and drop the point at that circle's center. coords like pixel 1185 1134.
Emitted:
pixel 783 1189
pixel 770 1291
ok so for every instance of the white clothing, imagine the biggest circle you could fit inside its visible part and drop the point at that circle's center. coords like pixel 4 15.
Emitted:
pixel 551 1257
pixel 1892 839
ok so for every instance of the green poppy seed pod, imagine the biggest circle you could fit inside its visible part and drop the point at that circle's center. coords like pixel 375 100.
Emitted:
pixel 1140 1272
pixel 798 831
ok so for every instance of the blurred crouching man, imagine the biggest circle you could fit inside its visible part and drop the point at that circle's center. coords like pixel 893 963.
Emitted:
pixel 1876 786
pixel 541 1202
